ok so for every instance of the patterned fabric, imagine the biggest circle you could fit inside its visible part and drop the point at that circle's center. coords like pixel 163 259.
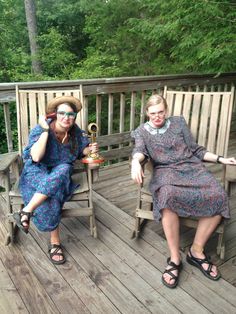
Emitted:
pixel 180 181
pixel 51 176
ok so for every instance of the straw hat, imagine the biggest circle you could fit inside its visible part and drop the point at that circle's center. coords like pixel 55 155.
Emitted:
pixel 55 102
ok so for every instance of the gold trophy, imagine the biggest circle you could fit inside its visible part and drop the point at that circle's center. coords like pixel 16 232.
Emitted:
pixel 93 159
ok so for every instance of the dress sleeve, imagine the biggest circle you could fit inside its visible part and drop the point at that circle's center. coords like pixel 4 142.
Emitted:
pixel 83 142
pixel 33 138
pixel 197 150
pixel 139 146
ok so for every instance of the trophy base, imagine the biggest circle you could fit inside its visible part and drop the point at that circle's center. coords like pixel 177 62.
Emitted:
pixel 87 160
pixel 92 163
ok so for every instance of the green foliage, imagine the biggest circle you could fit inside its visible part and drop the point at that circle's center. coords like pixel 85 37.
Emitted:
pixel 100 38
pixel 3 136
pixel 14 53
pixel 55 57
pixel 98 65
pixel 160 37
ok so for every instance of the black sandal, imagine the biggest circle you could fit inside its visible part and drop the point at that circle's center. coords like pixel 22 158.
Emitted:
pixel 197 262
pixel 57 248
pixel 20 223
pixel 169 272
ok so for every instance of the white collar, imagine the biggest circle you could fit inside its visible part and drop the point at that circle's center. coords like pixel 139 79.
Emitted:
pixel 152 130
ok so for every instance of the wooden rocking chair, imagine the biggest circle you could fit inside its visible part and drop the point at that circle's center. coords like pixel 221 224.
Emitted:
pixel 31 104
pixel 208 115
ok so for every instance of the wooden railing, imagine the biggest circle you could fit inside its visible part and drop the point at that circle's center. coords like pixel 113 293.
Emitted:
pixel 117 104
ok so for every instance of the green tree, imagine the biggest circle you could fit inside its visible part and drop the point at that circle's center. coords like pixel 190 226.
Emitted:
pixel 14 48
pixel 160 37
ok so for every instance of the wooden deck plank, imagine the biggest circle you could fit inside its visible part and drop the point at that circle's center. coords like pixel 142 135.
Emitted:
pixel 10 300
pixel 58 286
pixel 128 277
pixel 101 279
pixel 82 284
pixel 34 296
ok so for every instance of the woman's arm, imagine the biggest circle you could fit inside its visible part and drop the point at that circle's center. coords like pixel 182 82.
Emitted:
pixel 136 168
pixel 219 159
pixel 38 149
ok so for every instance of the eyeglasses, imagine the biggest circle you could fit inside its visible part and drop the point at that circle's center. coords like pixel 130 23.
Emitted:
pixel 159 114
pixel 70 115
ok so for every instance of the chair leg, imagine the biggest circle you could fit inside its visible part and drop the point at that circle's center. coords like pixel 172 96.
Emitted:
pixel 221 246
pixel 10 234
pixel 12 231
pixel 135 232
pixel 92 219
pixel 8 239
pixel 93 227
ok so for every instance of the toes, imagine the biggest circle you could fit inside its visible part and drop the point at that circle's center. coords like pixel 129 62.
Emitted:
pixel 214 271
pixel 57 257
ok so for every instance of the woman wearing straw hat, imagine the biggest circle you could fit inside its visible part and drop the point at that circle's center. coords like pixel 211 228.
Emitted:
pixel 54 144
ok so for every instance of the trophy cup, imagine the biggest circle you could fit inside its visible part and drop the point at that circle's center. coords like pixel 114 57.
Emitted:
pixel 93 159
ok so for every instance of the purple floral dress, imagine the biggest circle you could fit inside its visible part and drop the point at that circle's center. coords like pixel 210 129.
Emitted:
pixel 180 181
pixel 51 176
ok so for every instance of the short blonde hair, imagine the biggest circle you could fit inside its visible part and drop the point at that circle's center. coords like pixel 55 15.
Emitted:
pixel 155 100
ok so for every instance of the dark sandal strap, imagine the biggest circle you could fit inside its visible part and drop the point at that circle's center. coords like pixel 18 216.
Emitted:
pixel 173 268
pixel 25 222
pixel 56 247
pixel 169 272
pixel 28 214
pixel 201 261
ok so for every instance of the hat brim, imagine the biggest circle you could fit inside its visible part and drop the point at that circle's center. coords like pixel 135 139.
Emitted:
pixel 55 102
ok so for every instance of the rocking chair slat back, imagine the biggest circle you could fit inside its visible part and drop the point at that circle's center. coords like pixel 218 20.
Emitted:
pixel 32 103
pixel 208 115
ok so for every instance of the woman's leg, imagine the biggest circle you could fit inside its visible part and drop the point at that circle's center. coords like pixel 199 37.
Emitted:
pixel 54 236
pixel 170 222
pixel 55 239
pixel 35 201
pixel 206 227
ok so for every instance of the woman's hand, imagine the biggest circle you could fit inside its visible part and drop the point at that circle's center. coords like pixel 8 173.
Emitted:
pixel 227 161
pixel 93 147
pixel 43 122
pixel 136 171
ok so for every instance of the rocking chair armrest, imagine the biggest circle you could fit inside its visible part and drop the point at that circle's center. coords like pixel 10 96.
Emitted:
pixel 7 160
pixel 231 173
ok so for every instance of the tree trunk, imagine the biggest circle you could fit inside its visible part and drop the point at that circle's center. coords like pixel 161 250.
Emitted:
pixel 30 12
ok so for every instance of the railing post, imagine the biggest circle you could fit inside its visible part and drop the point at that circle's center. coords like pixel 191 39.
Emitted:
pixel 8 127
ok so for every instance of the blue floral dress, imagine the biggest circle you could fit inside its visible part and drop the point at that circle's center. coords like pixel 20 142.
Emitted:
pixel 180 181
pixel 51 176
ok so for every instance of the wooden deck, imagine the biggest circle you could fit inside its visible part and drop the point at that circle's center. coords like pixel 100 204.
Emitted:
pixel 111 274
